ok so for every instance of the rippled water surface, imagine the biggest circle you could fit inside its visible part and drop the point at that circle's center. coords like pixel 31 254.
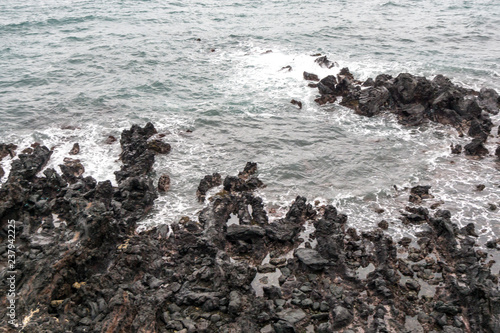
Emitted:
pixel 214 68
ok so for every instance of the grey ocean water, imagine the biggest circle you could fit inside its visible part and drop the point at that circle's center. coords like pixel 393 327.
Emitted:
pixel 207 66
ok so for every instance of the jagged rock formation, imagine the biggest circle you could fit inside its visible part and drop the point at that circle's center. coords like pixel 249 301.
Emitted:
pixel 415 100
pixel 82 268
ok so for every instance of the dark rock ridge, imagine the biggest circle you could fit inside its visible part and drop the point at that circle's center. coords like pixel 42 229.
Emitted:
pixel 208 182
pixel 310 76
pixel 7 150
pixel 81 267
pixel 324 62
pixel 415 100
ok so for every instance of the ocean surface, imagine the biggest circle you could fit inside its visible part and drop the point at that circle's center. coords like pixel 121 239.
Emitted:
pixel 209 75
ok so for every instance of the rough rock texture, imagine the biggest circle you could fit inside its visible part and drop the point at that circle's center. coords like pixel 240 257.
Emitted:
pixel 208 182
pixel 298 103
pixel 324 62
pixel 7 150
pixel 164 183
pixel 75 150
pixel 81 267
pixel 159 147
pixel 310 76
pixel 72 170
pixel 476 148
pixel 136 157
pixel 415 100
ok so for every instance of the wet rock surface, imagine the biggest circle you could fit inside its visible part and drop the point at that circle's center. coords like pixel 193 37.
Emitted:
pixel 7 150
pixel 208 182
pixel 416 100
pixel 81 267
pixel 310 76
pixel 164 183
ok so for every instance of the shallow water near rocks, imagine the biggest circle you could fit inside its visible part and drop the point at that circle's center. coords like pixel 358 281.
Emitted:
pixel 95 68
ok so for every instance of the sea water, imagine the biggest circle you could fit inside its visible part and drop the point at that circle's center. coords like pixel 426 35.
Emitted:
pixel 210 75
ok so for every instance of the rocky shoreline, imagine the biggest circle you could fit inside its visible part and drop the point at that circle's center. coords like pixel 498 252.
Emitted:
pixel 414 100
pixel 81 266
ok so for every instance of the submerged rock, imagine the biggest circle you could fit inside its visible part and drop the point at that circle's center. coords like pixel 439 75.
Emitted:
pixel 457 149
pixel 159 147
pixel 110 140
pixel 324 99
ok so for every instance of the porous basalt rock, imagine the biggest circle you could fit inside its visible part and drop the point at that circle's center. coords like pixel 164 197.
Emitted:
pixel 7 149
pixel 84 268
pixel 208 182
pixel 164 183
pixel 72 169
pixel 310 76
pixel 476 148
pixel 75 150
pixel 415 99
pixel 324 62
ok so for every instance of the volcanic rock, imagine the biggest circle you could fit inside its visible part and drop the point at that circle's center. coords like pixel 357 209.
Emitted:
pixel 298 103
pixel 28 165
pixel 489 100
pixel 7 150
pixel 311 258
pixel 84 263
pixel 75 150
pixel 208 182
pixel 137 157
pixel 71 169
pixel 476 148
pixel 371 100
pixel 244 232
pixel 159 147
pixel 419 193
pixel 324 62
pixel 164 183
pixel 310 76
pixel 457 149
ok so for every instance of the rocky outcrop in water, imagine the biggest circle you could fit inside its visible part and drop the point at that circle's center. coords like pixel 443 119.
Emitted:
pixel 81 267
pixel 323 61
pixel 7 150
pixel 310 76
pixel 208 182
pixel 415 100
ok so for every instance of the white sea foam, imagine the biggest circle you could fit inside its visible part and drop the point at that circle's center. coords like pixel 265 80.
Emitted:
pixel 324 153
pixel 99 159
